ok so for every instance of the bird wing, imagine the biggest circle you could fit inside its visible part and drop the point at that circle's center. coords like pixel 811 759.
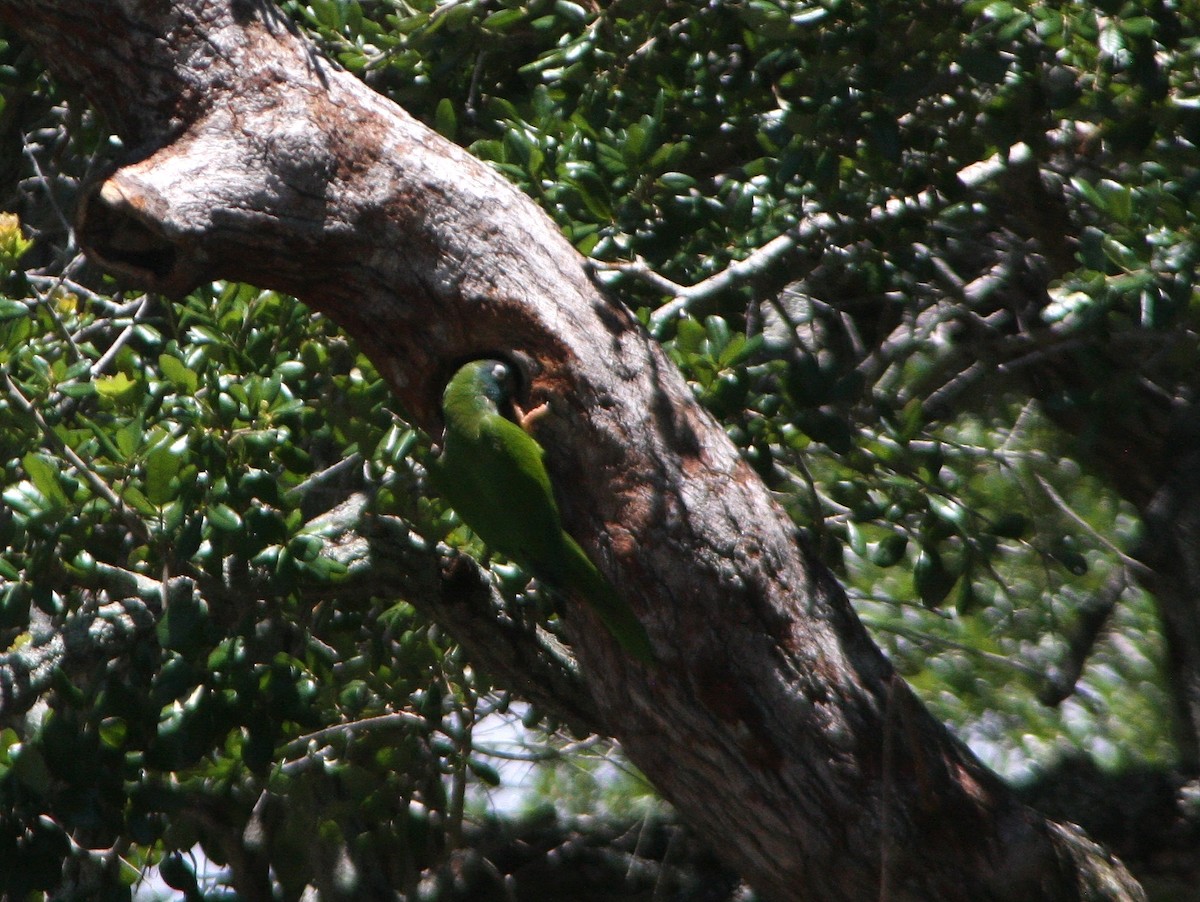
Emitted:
pixel 499 486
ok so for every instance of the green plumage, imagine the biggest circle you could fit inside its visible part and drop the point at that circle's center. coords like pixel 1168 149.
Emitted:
pixel 492 473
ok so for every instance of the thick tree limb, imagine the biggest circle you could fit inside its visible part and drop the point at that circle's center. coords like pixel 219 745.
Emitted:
pixel 94 634
pixel 766 718
pixel 385 558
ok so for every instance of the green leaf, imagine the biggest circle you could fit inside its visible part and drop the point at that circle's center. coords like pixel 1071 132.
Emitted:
pixel 178 372
pixel 485 772
pixel 116 387
pixel 162 466
pixel 889 550
pixel 325 569
pixel 502 20
pixel 637 141
pixel 1112 42
pixel 14 607
pixel 719 334
pixel 1075 562
pixel 129 438
pixel 592 191
pixel 306 547
pixel 740 349
pixel 689 336
pixel 113 731
pixel 1010 526
pixel 1138 26
pixel 178 874
pixel 855 539
pixel 809 15
pixel 29 766
pixel 224 518
pixel 931 579
pixel 445 120
pixel 454 17
pixel 78 389
pixel 677 181
pixel 183 626
pixel 133 496
pixel 516 146
pixel 129 875
pixel 573 12
pixel 967 600
pixel 12 309
pixel 948 510
pixel 43 473
pixel 259 750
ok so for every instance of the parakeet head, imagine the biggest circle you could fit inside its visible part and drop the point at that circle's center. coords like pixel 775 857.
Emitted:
pixel 496 380
pixel 493 380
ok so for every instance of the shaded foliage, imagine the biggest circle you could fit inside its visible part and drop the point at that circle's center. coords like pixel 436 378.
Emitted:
pixel 871 234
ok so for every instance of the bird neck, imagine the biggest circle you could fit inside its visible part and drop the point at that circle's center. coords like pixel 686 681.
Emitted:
pixel 465 412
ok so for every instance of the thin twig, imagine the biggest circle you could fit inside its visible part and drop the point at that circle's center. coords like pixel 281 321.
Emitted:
pixel 816 226
pixel 59 326
pixel 393 721
pixel 1132 563
pixel 758 261
pixel 108 356
pixel 921 638
pixel 63 219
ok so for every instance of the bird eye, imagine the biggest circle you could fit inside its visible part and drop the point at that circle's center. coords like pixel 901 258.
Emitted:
pixel 500 372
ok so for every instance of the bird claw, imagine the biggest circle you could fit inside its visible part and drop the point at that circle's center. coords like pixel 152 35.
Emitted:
pixel 526 419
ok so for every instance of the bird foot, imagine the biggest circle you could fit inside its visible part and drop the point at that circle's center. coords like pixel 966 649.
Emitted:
pixel 525 419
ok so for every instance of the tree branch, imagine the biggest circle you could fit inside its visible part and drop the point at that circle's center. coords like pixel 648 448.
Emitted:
pixel 95 633
pixel 761 720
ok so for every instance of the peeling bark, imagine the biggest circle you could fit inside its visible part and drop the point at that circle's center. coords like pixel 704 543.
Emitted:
pixel 770 719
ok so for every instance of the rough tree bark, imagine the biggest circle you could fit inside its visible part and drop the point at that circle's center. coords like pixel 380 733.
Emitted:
pixel 770 719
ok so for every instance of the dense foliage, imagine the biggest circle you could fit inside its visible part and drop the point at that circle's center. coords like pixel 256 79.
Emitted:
pixel 921 259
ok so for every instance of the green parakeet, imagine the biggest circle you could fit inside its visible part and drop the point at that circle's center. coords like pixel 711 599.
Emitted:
pixel 492 473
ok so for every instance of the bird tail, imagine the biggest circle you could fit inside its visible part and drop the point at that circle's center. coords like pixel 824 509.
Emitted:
pixel 613 610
